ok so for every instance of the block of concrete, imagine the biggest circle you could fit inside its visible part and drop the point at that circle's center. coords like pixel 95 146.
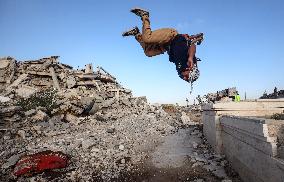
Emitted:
pixel 71 81
pixel 54 78
pixel 11 161
pixel 17 82
pixel 72 119
pixel 251 163
pixel 26 91
pixel 256 108
pixel 4 99
pixel 260 141
pixel 4 64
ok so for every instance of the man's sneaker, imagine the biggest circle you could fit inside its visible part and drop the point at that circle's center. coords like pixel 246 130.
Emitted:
pixel 134 31
pixel 197 40
pixel 200 41
pixel 200 38
pixel 139 12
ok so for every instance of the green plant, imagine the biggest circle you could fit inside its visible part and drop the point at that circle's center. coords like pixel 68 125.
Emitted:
pixel 45 98
pixel 278 116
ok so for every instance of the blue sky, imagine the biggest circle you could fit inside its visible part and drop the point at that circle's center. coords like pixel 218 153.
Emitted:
pixel 243 44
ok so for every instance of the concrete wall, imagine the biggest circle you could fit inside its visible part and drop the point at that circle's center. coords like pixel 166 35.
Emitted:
pixel 253 145
pixel 252 149
pixel 261 107
pixel 212 112
pixel 212 130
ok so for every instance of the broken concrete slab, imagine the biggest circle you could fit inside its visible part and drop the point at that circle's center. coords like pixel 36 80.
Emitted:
pixel 87 144
pixel 30 112
pixel 4 64
pixel 12 161
pixel 4 99
pixel 54 78
pixel 17 82
pixel 89 69
pixel 40 116
pixel 22 134
pixel 72 119
pixel 25 91
pixel 109 102
pixel 96 107
pixel 9 111
pixel 71 81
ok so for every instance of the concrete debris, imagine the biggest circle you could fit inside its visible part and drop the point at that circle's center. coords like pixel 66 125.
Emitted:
pixel 223 95
pixel 11 161
pixel 25 91
pixel 4 99
pixel 186 119
pixel 48 72
pixel 39 116
pixel 111 129
pixel 275 95
pixel 9 115
pixel 30 112
pixel 86 115
pixel 22 134
pixel 199 180
pixel 7 69
pixel 72 119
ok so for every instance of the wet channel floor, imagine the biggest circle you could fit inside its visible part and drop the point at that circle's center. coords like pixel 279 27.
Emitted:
pixel 171 162
pixel 153 174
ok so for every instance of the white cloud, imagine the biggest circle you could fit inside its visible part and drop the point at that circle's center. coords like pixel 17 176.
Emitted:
pixel 185 26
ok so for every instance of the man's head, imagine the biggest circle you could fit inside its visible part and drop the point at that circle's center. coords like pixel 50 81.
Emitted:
pixel 185 74
pixel 190 75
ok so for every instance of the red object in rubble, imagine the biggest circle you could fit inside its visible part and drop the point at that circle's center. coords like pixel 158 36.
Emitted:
pixel 39 162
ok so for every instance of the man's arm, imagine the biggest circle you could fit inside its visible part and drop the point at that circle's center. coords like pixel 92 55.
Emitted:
pixel 191 54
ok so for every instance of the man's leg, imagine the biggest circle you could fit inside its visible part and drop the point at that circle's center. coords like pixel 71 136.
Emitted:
pixel 160 36
pixel 138 37
pixel 149 49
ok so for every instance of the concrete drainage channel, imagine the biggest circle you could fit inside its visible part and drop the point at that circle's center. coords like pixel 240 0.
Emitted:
pixel 183 156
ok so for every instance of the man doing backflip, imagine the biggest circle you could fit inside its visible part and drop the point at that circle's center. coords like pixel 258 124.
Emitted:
pixel 180 47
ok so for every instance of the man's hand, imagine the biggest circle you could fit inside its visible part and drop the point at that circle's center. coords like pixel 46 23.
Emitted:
pixel 190 64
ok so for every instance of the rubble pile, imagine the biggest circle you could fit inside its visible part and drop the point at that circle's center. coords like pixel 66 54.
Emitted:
pixel 61 124
pixel 211 162
pixel 223 95
pixel 87 115
pixel 275 95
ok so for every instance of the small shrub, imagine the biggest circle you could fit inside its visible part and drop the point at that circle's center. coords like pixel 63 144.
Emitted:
pixel 45 98
pixel 278 116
